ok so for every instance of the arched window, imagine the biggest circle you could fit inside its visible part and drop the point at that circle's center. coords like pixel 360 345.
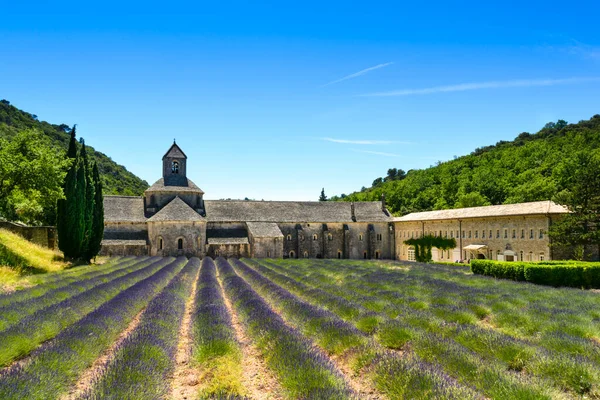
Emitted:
pixel 365 255
pixel 329 236
pixel 175 167
pixel 180 244
pixel 160 243
pixel 315 237
pixel 360 237
pixel 292 254
pixel 339 254
pixel 377 255
pixel 306 254
pixel 289 238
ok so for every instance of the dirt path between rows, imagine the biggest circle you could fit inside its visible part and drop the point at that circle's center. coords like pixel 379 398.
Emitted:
pixel 185 376
pixel 86 379
pixel 257 378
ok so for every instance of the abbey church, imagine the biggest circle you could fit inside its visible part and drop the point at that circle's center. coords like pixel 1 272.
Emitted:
pixel 172 218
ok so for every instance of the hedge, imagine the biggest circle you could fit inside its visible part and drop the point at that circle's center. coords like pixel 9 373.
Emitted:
pixel 567 273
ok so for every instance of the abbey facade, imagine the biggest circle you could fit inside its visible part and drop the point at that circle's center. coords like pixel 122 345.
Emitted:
pixel 172 218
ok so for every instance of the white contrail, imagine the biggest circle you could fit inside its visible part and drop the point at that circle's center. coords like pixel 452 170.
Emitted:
pixel 366 142
pixel 359 73
pixel 483 85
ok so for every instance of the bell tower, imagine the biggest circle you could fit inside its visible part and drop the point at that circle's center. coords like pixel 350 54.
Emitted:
pixel 174 167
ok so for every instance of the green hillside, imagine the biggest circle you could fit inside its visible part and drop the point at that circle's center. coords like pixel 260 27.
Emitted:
pixel 529 168
pixel 115 178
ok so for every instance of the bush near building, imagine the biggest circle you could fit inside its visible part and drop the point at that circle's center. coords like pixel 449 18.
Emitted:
pixel 550 273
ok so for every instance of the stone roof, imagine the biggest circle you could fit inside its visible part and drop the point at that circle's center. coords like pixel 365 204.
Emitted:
pixel 235 240
pixel 504 210
pixel 108 242
pixel 293 211
pixel 176 210
pixel 174 152
pixel 159 186
pixel 124 209
pixel 264 229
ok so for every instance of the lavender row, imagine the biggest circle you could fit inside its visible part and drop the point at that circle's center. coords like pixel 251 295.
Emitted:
pixel 303 371
pixel 61 281
pixel 417 378
pixel 13 313
pixel 54 367
pixel 44 324
pixel 144 361
pixel 215 347
pixel 461 362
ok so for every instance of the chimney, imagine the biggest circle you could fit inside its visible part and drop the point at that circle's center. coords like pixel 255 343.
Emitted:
pixel 352 212
pixel 383 202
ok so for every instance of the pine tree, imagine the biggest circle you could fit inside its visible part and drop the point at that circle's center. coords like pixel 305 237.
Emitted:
pixel 64 222
pixel 89 199
pixel 98 218
pixel 322 197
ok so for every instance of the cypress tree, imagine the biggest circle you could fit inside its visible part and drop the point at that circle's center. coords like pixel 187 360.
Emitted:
pixel 98 217
pixel 89 199
pixel 64 222
pixel 77 207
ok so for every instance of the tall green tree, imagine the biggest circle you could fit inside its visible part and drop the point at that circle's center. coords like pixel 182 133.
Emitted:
pixel 89 199
pixel 322 196
pixel 580 176
pixel 98 218
pixel 66 208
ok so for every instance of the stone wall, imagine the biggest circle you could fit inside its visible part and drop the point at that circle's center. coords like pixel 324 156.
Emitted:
pixel 228 250
pixel 164 238
pixel 42 235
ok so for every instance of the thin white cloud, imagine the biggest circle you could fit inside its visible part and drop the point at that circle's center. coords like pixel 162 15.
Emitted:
pixel 364 142
pixel 484 85
pixel 359 73
pixel 584 50
pixel 378 153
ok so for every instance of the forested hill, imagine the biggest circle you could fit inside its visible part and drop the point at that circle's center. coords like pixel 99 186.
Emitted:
pixel 115 178
pixel 530 168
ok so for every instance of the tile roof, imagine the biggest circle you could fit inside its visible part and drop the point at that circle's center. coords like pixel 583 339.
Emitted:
pixel 292 211
pixel 175 152
pixel 159 186
pixel 235 240
pixel 176 210
pixel 264 229
pixel 109 242
pixel 532 208
pixel 124 209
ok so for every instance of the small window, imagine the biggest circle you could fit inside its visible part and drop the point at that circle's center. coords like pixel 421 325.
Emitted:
pixel 531 234
pixel 541 233
pixel 476 234
pixel 457 234
pixel 506 234
pixel 491 234
pixel 530 258
pixel 179 244
pixel 160 243
pixel 306 254
pixel 483 234
pixel 497 234
pixel 339 254
pixel 542 257
pixel 315 237
pixel 451 234
pixel 175 167
pixel 289 238
pixel 365 255
pixel 514 233
pixel 469 234
pixel 379 237
pixel 329 236
pixel 377 255
pixel 522 233
pixel 292 254
pixel 360 237
pixel 446 234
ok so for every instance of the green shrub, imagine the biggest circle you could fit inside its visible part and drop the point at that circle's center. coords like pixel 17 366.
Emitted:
pixel 554 273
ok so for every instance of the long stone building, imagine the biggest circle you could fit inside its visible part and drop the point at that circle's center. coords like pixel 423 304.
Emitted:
pixel 511 232
pixel 172 218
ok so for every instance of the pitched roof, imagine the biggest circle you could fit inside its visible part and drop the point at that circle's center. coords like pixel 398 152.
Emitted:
pixel 114 242
pixel 124 209
pixel 176 210
pixel 174 152
pixel 159 186
pixel 532 208
pixel 234 240
pixel 293 211
pixel 264 229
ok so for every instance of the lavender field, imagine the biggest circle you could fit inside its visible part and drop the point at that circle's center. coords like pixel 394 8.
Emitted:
pixel 164 328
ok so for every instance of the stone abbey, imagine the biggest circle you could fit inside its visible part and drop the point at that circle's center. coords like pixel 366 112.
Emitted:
pixel 172 218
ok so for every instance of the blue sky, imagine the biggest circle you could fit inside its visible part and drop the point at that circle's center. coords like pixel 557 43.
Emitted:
pixel 274 101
